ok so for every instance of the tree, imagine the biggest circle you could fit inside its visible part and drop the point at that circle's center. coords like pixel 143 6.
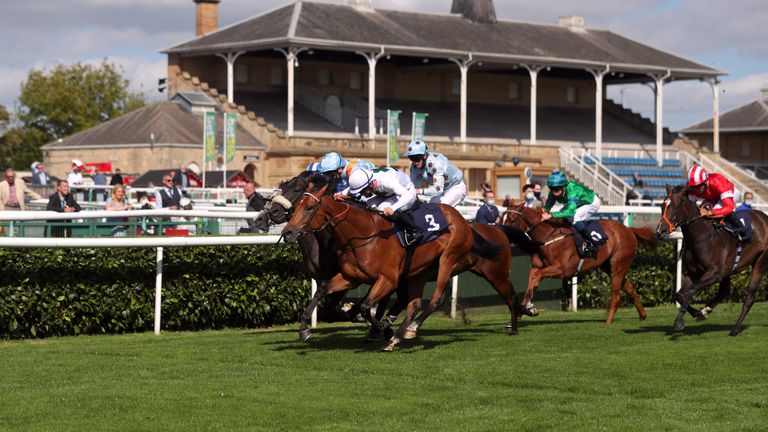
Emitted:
pixel 11 152
pixel 69 99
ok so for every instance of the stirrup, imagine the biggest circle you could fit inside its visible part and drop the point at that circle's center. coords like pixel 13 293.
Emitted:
pixel 412 235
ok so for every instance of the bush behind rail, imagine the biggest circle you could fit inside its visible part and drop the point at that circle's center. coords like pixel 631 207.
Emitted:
pixel 54 292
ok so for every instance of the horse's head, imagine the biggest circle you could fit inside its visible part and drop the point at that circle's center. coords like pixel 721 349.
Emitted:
pixel 307 216
pixel 280 207
pixel 523 217
pixel 675 211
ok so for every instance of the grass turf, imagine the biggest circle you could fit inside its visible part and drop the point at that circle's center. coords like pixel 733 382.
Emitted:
pixel 563 372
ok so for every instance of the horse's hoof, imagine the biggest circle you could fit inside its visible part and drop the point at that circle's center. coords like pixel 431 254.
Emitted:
pixel 534 312
pixel 513 332
pixel 734 332
pixel 409 334
pixel 679 326
pixel 388 333
pixel 304 335
pixel 390 346
pixel 643 317
pixel 372 337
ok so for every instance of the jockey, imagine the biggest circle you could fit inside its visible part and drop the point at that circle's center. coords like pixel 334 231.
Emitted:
pixel 579 203
pixel 389 191
pixel 313 167
pixel 717 191
pixel 336 166
pixel 445 183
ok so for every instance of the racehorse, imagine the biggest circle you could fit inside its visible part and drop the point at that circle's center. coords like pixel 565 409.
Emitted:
pixel 710 254
pixel 318 251
pixel 370 253
pixel 558 257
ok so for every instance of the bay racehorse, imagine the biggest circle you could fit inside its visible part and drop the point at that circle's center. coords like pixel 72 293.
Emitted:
pixel 558 257
pixel 319 253
pixel 371 253
pixel 710 254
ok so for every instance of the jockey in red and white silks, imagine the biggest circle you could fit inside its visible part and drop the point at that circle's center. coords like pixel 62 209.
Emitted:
pixel 712 188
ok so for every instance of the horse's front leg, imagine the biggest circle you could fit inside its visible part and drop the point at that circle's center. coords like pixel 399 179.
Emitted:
pixel 534 278
pixel 722 292
pixel 383 286
pixel 337 284
pixel 685 297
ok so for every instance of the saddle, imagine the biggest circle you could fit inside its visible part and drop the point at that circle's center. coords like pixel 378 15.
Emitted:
pixel 588 247
pixel 739 225
pixel 429 218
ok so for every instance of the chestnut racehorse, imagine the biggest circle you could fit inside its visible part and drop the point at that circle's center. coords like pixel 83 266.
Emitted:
pixel 558 257
pixel 371 253
pixel 709 254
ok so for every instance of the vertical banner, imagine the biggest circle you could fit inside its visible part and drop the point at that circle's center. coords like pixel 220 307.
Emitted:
pixel 393 126
pixel 209 138
pixel 230 140
pixel 418 126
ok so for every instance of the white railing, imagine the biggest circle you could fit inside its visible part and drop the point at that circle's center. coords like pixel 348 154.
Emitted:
pixel 610 187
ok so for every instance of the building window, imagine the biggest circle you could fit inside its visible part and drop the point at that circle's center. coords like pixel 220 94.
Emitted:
pixel 241 74
pixel 745 149
pixel 355 80
pixel 514 90
pixel 324 77
pixel 276 76
pixel 455 87
pixel 572 95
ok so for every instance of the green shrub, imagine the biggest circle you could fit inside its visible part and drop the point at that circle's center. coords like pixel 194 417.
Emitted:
pixel 653 275
pixel 51 292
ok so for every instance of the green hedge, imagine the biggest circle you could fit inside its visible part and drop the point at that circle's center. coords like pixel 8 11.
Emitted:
pixel 653 275
pixel 52 292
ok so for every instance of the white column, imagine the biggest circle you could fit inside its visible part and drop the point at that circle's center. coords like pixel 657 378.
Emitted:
pixel 659 79
pixel 715 84
pixel 464 65
pixel 372 59
pixel 533 71
pixel 292 61
pixel 599 74
pixel 230 58
pixel 158 289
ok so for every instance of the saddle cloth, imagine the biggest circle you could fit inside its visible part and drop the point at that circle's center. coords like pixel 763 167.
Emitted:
pixel 428 217
pixel 596 234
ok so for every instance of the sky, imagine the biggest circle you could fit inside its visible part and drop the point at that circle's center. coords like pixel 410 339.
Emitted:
pixel 728 35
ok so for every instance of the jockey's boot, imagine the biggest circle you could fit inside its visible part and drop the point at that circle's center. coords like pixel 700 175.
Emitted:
pixel 412 232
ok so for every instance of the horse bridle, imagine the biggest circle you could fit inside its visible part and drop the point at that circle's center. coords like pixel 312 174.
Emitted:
pixel 672 226
pixel 304 230
pixel 531 228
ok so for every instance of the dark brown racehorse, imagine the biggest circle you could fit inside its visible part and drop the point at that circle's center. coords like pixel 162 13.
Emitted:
pixel 709 254
pixel 558 257
pixel 371 253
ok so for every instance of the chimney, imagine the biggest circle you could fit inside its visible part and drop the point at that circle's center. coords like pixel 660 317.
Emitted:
pixel 478 11
pixel 206 16
pixel 764 92
pixel 573 22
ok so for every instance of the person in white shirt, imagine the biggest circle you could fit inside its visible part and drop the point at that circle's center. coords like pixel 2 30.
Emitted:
pixel 74 177
pixel 389 191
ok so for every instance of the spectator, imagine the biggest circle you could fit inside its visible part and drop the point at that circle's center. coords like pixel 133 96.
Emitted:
pixel 63 202
pixel 529 197
pixel 39 176
pixel 169 196
pixel 537 191
pixel 12 193
pixel 488 213
pixel 181 178
pixel 75 176
pixel 746 202
pixel 255 203
pixel 117 178
pixel 638 181
pixel 100 179
pixel 507 201
pixel 118 202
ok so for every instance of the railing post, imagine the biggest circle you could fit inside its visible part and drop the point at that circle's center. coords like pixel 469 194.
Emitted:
pixel 574 293
pixel 313 322
pixel 679 271
pixel 454 295
pixel 158 289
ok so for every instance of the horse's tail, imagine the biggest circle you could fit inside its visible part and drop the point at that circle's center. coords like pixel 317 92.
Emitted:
pixel 483 248
pixel 521 239
pixel 646 235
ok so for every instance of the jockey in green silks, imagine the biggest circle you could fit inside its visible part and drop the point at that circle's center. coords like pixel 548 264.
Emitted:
pixel 579 204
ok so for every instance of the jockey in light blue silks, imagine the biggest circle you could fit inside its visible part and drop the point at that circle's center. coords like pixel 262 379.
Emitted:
pixel 335 165
pixel 444 181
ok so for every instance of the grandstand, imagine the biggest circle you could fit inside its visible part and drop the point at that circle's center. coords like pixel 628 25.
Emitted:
pixel 644 175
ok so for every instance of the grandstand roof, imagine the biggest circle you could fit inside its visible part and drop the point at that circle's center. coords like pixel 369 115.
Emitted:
pixel 161 124
pixel 344 27
pixel 752 117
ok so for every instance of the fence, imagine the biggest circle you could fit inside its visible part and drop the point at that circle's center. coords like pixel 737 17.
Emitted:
pixel 626 213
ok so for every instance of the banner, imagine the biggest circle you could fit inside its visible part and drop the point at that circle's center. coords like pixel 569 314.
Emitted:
pixel 393 126
pixel 230 137
pixel 209 136
pixel 418 126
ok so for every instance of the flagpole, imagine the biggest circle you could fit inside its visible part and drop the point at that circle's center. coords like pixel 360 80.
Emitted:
pixel 226 131
pixel 205 138
pixel 413 125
